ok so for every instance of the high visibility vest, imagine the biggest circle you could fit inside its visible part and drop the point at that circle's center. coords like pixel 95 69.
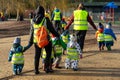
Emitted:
pixel 36 27
pixel 65 38
pixel 47 15
pixel 18 58
pixel 100 37
pixel 57 15
pixel 58 49
pixel 80 20
pixel 44 54
pixel 108 37
pixel 63 25
pixel 72 54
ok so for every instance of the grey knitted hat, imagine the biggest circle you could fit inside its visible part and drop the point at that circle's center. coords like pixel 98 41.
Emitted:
pixel 17 40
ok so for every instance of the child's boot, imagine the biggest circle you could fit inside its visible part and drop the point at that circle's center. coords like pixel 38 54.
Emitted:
pixel 109 48
pixel 57 66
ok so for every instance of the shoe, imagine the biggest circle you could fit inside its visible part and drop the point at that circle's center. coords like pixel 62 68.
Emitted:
pixel 57 66
pixel 109 48
pixel 47 70
pixel 81 56
pixel 75 69
pixel 37 72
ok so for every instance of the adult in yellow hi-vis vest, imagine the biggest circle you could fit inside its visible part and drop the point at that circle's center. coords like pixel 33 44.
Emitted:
pixel 56 18
pixel 37 20
pixel 80 18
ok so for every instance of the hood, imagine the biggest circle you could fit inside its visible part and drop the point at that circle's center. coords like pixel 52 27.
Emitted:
pixel 57 10
pixel 39 14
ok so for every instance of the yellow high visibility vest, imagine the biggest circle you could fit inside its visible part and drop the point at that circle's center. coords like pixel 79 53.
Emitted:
pixel 36 27
pixel 65 38
pixel 57 15
pixel 44 54
pixel 72 53
pixel 80 20
pixel 47 15
pixel 108 37
pixel 18 58
pixel 100 37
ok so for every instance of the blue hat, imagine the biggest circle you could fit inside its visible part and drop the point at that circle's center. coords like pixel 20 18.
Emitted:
pixel 17 40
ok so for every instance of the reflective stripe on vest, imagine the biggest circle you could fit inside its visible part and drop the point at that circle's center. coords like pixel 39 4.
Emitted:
pixel 57 15
pixel 108 37
pixel 72 53
pixel 36 27
pixel 58 49
pixel 100 37
pixel 18 58
pixel 80 20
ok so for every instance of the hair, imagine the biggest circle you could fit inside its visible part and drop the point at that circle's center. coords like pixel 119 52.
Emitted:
pixel 81 6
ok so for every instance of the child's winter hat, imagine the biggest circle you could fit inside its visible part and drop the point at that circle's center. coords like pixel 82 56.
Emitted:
pixel 100 25
pixel 17 40
pixel 73 37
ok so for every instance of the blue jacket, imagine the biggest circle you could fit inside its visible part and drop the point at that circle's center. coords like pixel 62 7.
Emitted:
pixel 110 32
pixel 17 50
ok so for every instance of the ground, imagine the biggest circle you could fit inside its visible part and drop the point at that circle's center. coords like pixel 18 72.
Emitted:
pixel 95 65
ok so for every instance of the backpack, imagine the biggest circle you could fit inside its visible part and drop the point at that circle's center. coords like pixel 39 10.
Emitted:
pixel 42 35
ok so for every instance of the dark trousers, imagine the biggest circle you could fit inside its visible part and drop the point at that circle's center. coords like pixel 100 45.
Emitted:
pixel 58 26
pixel 48 50
pixel 80 37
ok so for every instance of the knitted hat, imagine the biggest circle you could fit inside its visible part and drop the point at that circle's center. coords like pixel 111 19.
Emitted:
pixel 100 25
pixel 17 40
pixel 73 38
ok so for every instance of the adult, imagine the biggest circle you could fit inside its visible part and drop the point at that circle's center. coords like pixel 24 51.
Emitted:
pixel 56 18
pixel 80 18
pixel 39 16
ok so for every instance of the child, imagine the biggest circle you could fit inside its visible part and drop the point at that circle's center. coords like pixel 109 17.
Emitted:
pixel 100 36
pixel 58 55
pixel 73 53
pixel 43 59
pixel 65 37
pixel 109 36
pixel 58 45
pixel 64 23
pixel 16 56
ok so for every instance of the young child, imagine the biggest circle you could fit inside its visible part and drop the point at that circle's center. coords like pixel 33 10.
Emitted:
pixel 16 56
pixel 100 36
pixel 58 45
pixel 43 59
pixel 58 56
pixel 73 53
pixel 65 37
pixel 109 36
pixel 64 23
